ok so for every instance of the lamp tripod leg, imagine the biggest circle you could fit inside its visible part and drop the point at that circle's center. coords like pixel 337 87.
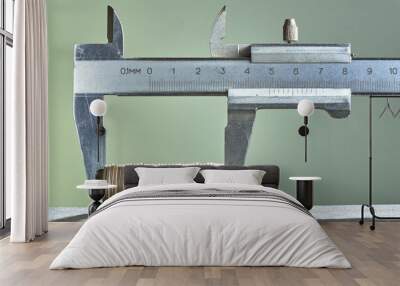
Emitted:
pixel 361 222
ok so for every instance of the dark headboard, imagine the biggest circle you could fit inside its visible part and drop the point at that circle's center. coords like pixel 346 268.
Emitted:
pixel 271 177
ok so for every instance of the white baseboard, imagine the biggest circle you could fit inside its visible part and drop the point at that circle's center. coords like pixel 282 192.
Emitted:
pixel 61 212
pixel 319 212
pixel 353 211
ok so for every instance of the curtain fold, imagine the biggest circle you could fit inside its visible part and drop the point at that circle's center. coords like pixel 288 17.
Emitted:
pixel 27 120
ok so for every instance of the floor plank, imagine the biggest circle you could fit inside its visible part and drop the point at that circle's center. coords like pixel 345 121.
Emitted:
pixel 375 256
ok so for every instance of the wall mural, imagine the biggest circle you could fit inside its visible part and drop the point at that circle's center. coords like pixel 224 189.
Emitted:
pixel 252 76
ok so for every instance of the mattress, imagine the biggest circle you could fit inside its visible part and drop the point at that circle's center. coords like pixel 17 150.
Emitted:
pixel 201 225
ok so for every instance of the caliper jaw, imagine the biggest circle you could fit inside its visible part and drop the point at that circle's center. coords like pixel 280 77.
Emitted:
pixel 84 120
pixel 112 50
pixel 237 135
pixel 243 104
pixel 87 133
pixel 218 48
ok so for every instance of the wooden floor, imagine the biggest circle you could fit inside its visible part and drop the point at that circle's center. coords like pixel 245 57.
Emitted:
pixel 375 257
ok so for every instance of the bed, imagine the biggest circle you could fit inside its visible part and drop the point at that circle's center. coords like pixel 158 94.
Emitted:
pixel 198 224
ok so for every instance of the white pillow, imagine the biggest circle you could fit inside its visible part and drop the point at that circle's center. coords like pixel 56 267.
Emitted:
pixel 165 176
pixel 248 177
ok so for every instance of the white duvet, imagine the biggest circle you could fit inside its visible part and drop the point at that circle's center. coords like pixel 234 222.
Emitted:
pixel 200 231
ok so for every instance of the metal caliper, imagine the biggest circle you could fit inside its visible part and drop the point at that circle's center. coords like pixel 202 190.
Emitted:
pixel 252 76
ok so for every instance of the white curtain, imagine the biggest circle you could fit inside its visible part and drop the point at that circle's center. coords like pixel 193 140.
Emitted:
pixel 27 124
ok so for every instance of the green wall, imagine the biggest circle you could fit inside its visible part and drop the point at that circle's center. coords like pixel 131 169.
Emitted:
pixel 178 129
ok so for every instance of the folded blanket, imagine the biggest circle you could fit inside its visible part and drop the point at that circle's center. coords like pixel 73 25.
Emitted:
pixel 205 193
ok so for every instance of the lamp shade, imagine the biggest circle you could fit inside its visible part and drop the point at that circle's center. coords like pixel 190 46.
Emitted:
pixel 305 107
pixel 98 107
